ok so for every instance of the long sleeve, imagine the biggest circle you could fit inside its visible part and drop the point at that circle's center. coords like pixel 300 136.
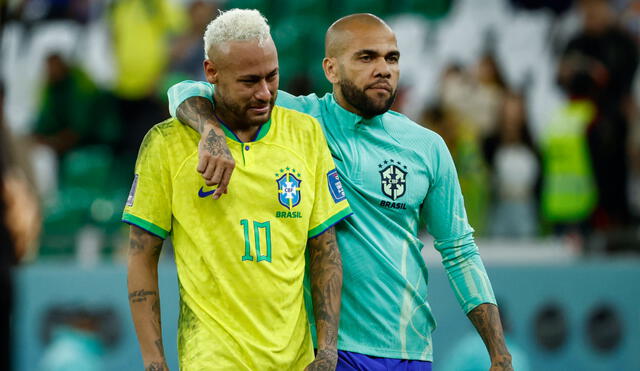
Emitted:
pixel 446 220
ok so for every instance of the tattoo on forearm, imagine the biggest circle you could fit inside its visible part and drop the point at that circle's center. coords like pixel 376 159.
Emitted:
pixel 486 319
pixel 326 284
pixel 140 239
pixel 155 366
pixel 194 112
pixel 159 345
pixel 140 295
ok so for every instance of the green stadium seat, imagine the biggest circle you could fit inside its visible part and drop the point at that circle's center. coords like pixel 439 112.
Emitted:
pixel 87 167
pixel 378 7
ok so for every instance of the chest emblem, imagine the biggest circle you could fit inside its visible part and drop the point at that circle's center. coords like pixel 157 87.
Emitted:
pixel 288 181
pixel 393 179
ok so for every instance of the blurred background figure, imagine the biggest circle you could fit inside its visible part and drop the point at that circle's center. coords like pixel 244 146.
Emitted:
pixel 569 192
pixel 515 171
pixel 607 55
pixel 141 32
pixel 187 50
pixel 19 229
pixel 73 111
pixel 76 338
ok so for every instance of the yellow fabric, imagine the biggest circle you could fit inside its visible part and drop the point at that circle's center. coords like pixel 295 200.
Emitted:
pixel 140 40
pixel 241 309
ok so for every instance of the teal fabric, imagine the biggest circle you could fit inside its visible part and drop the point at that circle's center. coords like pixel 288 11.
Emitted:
pixel 385 312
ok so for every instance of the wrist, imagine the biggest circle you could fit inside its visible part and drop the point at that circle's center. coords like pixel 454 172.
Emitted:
pixel 327 350
pixel 210 124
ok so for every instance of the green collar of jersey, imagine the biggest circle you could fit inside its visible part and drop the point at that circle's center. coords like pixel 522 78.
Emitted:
pixel 349 118
pixel 262 131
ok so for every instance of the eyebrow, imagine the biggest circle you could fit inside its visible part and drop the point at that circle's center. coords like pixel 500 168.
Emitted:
pixel 254 77
pixel 360 52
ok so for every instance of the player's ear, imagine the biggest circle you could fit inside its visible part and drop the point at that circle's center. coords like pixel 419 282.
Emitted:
pixel 330 67
pixel 210 71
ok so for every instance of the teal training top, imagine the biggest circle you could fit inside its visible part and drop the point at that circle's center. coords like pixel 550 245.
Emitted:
pixel 396 175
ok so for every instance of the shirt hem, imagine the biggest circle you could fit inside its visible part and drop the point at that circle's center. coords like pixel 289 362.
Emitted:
pixel 146 225
pixel 315 232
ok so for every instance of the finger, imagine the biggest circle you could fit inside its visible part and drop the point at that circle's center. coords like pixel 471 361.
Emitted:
pixel 210 170
pixel 226 178
pixel 202 164
pixel 219 192
pixel 221 189
pixel 217 175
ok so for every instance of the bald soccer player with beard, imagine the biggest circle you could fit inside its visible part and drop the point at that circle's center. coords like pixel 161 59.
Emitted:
pixel 395 174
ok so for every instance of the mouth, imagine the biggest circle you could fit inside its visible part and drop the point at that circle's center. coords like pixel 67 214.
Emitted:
pixel 380 88
pixel 259 109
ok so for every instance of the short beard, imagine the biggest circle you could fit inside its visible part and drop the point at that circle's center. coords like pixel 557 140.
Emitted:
pixel 238 113
pixel 359 100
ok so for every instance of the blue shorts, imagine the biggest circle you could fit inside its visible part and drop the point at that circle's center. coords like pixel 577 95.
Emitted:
pixel 349 361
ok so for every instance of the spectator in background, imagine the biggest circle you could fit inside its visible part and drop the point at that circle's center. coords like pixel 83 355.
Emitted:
pixel 186 51
pixel 141 31
pixel 19 229
pixel 515 173
pixel 569 192
pixel 609 57
pixel 73 112
pixel 476 96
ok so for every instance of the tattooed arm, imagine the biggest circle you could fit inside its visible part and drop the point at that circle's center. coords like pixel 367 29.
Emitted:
pixel 325 266
pixel 144 298
pixel 486 319
pixel 215 161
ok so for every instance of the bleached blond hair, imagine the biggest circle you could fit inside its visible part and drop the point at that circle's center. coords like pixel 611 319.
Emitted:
pixel 236 25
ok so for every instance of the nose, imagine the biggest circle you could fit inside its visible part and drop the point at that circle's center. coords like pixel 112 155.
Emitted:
pixel 262 91
pixel 382 69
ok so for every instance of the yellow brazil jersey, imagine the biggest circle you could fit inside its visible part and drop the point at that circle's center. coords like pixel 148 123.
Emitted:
pixel 240 259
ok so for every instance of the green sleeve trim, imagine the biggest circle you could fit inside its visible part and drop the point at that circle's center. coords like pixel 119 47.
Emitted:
pixel 147 226
pixel 330 222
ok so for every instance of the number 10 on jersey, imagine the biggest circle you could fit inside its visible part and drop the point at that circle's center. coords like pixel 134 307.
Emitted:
pixel 262 239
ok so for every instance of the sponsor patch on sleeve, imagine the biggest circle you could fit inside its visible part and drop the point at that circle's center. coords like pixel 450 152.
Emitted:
pixel 132 193
pixel 335 186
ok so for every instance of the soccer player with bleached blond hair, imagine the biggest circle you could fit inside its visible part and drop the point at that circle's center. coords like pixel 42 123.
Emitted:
pixel 241 259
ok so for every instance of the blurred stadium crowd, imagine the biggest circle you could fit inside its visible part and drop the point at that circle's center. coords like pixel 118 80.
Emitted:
pixel 537 101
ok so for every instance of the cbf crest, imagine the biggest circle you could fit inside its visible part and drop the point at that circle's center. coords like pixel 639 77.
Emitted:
pixel 288 181
pixel 393 178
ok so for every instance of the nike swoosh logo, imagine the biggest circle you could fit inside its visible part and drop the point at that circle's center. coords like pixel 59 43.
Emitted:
pixel 204 194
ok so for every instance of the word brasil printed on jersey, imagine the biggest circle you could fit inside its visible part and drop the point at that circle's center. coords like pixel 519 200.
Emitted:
pixel 393 181
pixel 241 258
